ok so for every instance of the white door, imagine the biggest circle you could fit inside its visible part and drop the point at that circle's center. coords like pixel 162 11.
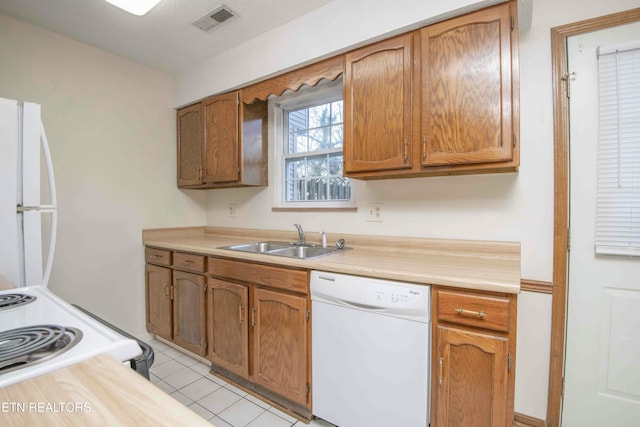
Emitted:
pixel 602 366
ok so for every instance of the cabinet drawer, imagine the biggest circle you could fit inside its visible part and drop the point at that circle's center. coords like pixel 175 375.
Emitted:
pixel 482 311
pixel 276 277
pixel 189 262
pixel 157 256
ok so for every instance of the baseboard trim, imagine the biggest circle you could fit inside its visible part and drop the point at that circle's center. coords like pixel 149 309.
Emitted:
pixel 520 420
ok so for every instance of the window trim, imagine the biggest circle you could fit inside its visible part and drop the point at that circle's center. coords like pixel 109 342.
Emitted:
pixel 324 92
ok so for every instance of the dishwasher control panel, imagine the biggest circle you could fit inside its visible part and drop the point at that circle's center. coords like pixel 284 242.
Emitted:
pixel 367 293
pixel 395 295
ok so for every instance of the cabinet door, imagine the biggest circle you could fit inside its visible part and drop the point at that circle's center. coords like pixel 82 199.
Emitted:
pixel 280 339
pixel 189 315
pixel 228 326
pixel 470 379
pixel 466 74
pixel 158 300
pixel 190 145
pixel 377 106
pixel 221 149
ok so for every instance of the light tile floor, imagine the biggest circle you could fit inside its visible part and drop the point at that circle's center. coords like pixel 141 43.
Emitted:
pixel 188 380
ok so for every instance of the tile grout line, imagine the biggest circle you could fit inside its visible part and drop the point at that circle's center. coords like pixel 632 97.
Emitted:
pixel 170 354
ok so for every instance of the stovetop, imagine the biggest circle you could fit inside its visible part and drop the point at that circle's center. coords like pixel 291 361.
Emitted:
pixel 75 334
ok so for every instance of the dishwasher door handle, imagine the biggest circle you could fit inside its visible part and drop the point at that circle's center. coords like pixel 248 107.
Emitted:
pixel 359 305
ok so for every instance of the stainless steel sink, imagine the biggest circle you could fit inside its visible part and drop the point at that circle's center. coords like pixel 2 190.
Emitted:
pixel 284 249
pixel 303 252
pixel 259 247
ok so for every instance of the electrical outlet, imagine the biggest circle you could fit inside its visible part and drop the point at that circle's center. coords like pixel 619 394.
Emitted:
pixel 232 210
pixel 374 212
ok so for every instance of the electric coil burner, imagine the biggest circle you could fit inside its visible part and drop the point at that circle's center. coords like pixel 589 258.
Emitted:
pixel 29 345
pixel 8 301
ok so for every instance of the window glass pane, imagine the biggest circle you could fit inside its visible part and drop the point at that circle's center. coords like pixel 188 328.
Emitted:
pixel 335 165
pixel 320 115
pixel 336 137
pixel 298 120
pixel 317 166
pixel 339 188
pixel 319 139
pixel 313 156
pixel 317 189
pixel 336 112
pixel 296 169
pixel 300 142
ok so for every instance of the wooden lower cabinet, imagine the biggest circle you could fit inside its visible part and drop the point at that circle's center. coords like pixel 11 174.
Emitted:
pixel 189 311
pixel 228 326
pixel 280 340
pixel 159 307
pixel 472 378
pixel 175 288
pixel 473 368
pixel 259 330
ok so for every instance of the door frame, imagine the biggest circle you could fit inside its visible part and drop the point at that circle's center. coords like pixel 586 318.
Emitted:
pixel 559 65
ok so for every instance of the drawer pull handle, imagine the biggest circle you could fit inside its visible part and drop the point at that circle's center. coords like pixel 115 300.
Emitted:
pixel 188 262
pixel 440 369
pixel 155 256
pixel 478 314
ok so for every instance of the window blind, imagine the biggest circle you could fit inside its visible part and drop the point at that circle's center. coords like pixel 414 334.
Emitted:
pixel 618 194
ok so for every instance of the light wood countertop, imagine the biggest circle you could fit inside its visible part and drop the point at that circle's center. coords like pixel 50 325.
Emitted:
pixel 97 392
pixel 482 265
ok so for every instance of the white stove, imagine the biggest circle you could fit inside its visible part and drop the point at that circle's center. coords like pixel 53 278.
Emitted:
pixel 46 309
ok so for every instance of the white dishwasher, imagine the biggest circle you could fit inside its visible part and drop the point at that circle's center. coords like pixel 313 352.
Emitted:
pixel 371 343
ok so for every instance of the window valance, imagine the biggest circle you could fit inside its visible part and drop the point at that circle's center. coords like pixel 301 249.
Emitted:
pixel 329 69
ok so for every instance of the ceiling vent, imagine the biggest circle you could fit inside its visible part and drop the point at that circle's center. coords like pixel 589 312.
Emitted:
pixel 215 17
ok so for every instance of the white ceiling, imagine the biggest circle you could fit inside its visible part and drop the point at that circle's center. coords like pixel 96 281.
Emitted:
pixel 163 38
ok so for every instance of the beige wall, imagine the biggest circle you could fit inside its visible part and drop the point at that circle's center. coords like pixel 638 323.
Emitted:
pixel 111 130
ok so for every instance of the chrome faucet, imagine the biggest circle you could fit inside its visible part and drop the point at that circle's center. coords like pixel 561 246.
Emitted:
pixel 300 234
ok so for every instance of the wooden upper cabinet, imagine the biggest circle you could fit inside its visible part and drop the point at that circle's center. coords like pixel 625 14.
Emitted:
pixel 190 145
pixel 466 89
pixel 439 101
pixel 377 106
pixel 221 138
pixel 222 143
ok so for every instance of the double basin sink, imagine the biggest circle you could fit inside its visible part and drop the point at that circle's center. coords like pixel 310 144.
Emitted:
pixel 284 249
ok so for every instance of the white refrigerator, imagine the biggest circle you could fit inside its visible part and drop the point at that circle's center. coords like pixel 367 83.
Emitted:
pixel 28 216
